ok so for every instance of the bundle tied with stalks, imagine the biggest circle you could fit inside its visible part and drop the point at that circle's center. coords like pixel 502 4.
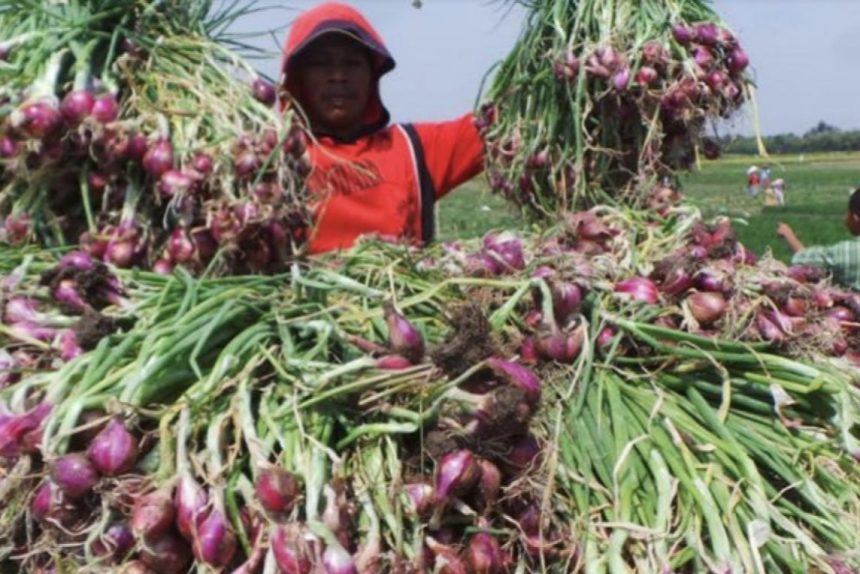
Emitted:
pixel 134 129
pixel 599 100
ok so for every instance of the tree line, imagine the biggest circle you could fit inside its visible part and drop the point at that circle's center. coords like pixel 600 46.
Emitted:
pixel 821 138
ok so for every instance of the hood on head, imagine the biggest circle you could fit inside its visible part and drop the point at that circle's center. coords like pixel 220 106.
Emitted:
pixel 334 17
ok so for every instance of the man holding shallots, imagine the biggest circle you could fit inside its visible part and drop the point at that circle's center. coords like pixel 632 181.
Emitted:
pixel 368 177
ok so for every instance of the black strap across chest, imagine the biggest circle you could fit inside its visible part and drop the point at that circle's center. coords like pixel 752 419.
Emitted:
pixel 425 183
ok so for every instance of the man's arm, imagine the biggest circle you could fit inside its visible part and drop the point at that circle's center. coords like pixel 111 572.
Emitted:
pixel 453 150
pixel 785 231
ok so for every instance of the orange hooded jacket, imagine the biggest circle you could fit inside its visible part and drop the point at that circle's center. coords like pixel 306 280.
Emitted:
pixel 383 182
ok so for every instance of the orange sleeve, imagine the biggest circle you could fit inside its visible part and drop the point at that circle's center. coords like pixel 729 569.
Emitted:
pixel 453 151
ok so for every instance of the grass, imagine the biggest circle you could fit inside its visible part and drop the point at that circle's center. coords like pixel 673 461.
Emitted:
pixel 817 190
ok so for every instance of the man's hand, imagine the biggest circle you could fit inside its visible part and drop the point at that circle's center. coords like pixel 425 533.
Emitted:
pixel 785 231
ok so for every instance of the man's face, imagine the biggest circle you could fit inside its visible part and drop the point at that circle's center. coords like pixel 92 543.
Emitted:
pixel 852 222
pixel 336 80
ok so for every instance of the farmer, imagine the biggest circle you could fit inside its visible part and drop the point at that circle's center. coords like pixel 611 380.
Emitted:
pixel 842 259
pixel 368 177
pixel 764 176
pixel 778 187
pixel 753 180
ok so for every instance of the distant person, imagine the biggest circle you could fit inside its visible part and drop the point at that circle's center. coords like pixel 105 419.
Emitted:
pixel 778 187
pixel 841 260
pixel 764 176
pixel 753 182
pixel 368 177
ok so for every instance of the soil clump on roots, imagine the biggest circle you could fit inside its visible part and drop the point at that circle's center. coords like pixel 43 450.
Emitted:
pixel 470 342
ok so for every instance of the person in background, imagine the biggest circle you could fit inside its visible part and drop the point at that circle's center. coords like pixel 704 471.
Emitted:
pixel 842 259
pixel 367 176
pixel 778 187
pixel 764 176
pixel 753 181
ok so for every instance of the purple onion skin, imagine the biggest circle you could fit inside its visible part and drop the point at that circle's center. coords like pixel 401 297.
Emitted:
pixel 69 347
pixel 21 309
pixel 507 250
pixel 153 516
pixel 74 474
pixel 277 489
pixel 246 163
pixel 17 228
pixel 646 76
pixel 136 147
pixel 33 331
pixel 528 351
pixel 167 554
pixel 40 120
pixel 489 485
pixel 393 363
pixel 180 248
pixel 456 474
pixel 767 329
pixel 9 148
pixel 202 163
pixel 158 159
pixel 677 282
pixel 174 182
pixel 560 346
pixel 709 282
pixel 518 375
pixel 14 429
pixel 213 541
pixel 421 496
pixel 291 551
pixel 404 338
pixel 605 337
pixel 163 267
pixel 105 109
pixel 50 504
pixel 66 292
pixel 482 265
pixel 707 306
pixel 639 289
pixel 76 260
pixel 189 505
pixel 706 33
pixel 529 519
pixel 115 542
pixel 738 60
pixel 114 450
pixel 336 560
pixel 566 298
pixel 523 453
pixel 76 106
pixel 683 34
pixel 621 79
pixel 484 554
pixel 264 92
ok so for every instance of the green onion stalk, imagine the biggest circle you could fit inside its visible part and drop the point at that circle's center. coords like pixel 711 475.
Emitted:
pixel 560 402
pixel 140 132
pixel 607 101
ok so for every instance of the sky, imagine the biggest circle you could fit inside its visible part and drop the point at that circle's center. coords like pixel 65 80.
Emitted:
pixel 805 54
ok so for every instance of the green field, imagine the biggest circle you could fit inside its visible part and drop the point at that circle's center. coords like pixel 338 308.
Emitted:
pixel 817 189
